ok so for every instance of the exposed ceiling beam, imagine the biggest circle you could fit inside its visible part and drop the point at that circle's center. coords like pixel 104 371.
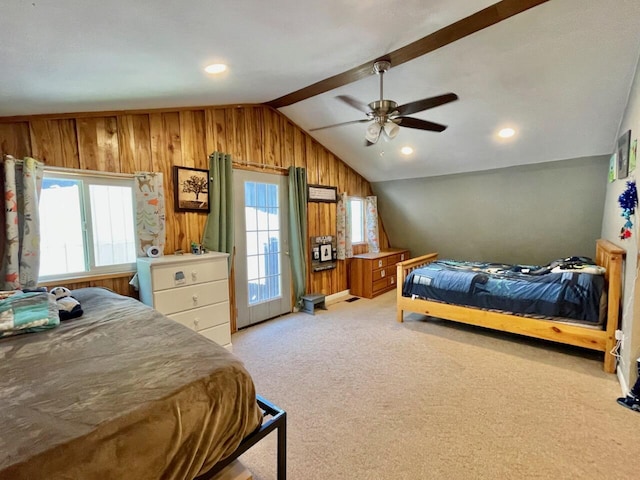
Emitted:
pixel 460 29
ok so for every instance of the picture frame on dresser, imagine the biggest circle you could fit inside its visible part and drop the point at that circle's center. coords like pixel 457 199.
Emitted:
pixel 191 189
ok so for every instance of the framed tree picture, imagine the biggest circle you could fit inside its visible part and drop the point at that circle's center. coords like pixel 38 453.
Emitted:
pixel 191 186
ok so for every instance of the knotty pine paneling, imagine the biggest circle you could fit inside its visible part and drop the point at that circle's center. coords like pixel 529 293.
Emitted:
pixel 215 121
pixel 15 139
pixel 55 142
pixel 166 151
pixel 134 142
pixel 159 140
pixel 98 144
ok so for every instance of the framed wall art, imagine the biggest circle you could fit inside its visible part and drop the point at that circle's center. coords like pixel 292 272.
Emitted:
pixel 191 187
pixel 322 193
pixel 624 144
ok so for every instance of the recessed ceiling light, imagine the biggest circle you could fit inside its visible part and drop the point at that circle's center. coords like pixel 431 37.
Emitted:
pixel 215 68
pixel 406 150
pixel 506 133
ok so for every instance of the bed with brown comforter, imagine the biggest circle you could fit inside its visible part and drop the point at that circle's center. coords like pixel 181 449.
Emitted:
pixel 122 392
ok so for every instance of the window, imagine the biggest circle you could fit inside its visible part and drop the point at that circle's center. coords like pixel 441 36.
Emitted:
pixel 356 206
pixel 87 225
pixel 262 222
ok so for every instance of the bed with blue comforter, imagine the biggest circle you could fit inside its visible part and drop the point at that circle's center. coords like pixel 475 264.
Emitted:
pixel 574 301
pixel 570 288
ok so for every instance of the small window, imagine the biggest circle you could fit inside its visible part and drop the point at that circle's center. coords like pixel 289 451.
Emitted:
pixel 356 206
pixel 87 225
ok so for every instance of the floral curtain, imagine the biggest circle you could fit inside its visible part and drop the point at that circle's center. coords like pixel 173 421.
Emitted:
pixel 22 181
pixel 371 221
pixel 343 234
pixel 150 211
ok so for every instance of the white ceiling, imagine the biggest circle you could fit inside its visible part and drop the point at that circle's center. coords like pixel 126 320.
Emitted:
pixel 559 73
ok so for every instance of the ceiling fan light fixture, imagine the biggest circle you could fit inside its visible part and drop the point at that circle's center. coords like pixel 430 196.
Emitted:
pixel 373 132
pixel 391 129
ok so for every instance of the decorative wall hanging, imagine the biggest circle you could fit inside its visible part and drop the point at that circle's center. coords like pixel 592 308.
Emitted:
pixel 632 155
pixel 323 253
pixel 628 201
pixel 623 154
pixel 612 168
pixel 321 193
pixel 191 189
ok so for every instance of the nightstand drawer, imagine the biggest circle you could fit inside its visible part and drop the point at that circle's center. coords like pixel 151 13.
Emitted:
pixel 170 276
pixel 193 296
pixel 220 334
pixel 205 317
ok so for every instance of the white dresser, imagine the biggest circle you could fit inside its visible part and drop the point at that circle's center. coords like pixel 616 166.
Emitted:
pixel 190 289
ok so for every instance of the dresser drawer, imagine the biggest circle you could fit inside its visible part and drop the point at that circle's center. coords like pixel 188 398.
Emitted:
pixel 380 262
pixel 381 273
pixel 220 334
pixel 204 317
pixel 380 285
pixel 170 276
pixel 185 298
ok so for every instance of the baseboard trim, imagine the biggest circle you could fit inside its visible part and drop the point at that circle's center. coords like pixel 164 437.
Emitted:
pixel 622 381
pixel 336 297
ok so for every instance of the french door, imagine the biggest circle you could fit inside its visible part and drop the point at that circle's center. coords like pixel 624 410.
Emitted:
pixel 262 273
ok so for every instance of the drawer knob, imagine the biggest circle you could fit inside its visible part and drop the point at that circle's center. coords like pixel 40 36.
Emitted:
pixel 392 280
pixel 196 321
pixel 194 275
pixel 379 263
pixel 195 299
pixel 382 273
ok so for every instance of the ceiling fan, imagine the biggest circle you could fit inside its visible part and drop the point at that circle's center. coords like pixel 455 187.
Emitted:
pixel 386 116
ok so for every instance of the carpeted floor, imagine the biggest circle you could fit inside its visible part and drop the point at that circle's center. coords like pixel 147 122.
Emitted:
pixel 369 398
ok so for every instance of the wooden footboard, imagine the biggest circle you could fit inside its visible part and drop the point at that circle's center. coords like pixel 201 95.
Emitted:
pixel 608 255
pixel 403 269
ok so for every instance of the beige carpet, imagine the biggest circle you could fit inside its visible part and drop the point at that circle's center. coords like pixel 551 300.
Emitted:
pixel 369 398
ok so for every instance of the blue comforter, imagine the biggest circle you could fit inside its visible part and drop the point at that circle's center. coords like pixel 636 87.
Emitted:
pixel 559 289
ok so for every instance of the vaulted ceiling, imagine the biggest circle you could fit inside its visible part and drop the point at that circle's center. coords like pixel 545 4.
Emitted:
pixel 559 73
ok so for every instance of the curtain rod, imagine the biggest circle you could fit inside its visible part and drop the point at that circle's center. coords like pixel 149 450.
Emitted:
pixel 259 165
pixel 77 171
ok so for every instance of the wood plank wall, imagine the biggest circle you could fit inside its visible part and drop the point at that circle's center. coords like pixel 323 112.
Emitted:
pixel 157 140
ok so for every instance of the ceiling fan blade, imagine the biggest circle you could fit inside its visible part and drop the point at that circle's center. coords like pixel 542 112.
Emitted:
pixel 355 103
pixel 426 103
pixel 340 124
pixel 421 124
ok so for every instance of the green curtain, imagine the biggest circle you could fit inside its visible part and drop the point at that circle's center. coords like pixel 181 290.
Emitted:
pixel 218 232
pixel 298 230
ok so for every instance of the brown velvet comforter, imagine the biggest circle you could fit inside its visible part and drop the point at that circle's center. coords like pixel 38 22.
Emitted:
pixel 122 392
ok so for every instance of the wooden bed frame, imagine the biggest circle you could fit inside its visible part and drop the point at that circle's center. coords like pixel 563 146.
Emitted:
pixel 608 255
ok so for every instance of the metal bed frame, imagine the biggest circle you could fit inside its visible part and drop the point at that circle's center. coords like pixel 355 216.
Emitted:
pixel 278 421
